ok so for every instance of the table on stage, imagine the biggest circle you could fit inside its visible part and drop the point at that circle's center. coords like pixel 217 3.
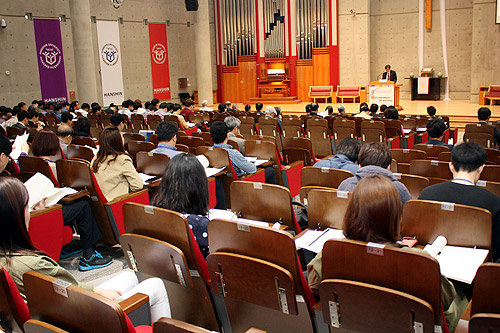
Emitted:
pixel 434 89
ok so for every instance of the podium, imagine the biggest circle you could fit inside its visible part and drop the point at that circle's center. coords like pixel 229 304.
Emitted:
pixel 384 92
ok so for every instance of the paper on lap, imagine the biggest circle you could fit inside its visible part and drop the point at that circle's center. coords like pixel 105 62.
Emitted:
pixel 40 187
pixel 18 143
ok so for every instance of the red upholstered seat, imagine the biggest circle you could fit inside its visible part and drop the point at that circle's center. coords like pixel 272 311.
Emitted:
pixel 494 91
pixel 320 92
pixel 19 312
pixel 347 91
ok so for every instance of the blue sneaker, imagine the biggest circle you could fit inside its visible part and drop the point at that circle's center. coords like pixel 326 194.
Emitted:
pixel 70 249
pixel 95 261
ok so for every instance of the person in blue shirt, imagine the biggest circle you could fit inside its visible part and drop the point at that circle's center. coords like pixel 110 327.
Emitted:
pixel 167 137
pixel 346 156
pixel 435 129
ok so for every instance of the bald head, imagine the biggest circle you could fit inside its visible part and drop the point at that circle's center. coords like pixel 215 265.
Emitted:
pixel 65 133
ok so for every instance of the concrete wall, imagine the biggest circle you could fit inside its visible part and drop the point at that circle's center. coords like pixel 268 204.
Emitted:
pixel 17 53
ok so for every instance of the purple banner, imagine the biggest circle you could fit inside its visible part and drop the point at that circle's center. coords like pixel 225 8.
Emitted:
pixel 49 50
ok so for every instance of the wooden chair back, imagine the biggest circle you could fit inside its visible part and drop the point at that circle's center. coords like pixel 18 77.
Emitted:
pixel 271 130
pixel 206 137
pixel 265 120
pixel 414 184
pixel 461 225
pixel 38 326
pixel 293 154
pixel 485 307
pixel 95 132
pixel 250 269
pixel 480 128
pixel 265 150
pixel 320 138
pixel 326 208
pixel 51 120
pixel 435 171
pixel 80 152
pixel 431 150
pixel 493 187
pixel 83 141
pixel 169 325
pixel 373 131
pixel 233 144
pixel 344 128
pixel 153 121
pixel 247 120
pixel 392 128
pixel 422 122
pixel 94 311
pixel 182 148
pixel 483 139
pixel 409 123
pixel 289 120
pixel 12 132
pixel 134 147
pixel 153 164
pixel 13 311
pixel 366 307
pixel 172 119
pixel 325 177
pixel 491 173
pixel 292 130
pixel 29 165
pixel 352 260
pixel 192 142
pixel 247 130
pixel 105 119
pixel 138 123
pixel 405 156
pixel 217 157
pixel 493 155
pixel 321 122
pixel 444 156
pixel 304 143
pixel 127 137
pixel 263 202
pixel 193 304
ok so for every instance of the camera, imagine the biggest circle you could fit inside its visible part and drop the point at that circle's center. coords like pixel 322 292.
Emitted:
pixel 3 23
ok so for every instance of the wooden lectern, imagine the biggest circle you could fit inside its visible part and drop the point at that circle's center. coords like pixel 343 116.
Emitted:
pixel 384 92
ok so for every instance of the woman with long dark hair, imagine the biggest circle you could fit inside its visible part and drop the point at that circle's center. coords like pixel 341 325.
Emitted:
pixel 113 167
pixel 46 145
pixel 184 189
pixel 82 127
pixel 18 255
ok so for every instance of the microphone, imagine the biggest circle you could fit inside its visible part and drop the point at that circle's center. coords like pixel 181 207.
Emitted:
pixel 380 75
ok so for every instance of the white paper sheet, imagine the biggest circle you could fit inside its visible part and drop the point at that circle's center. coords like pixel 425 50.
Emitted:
pixel 40 187
pixel 251 158
pixel 213 171
pixel 221 214
pixel 145 177
pixel 315 241
pixel 260 162
pixel 16 146
pixel 461 263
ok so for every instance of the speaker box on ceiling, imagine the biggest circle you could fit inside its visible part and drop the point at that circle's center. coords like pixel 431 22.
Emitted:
pixel 191 5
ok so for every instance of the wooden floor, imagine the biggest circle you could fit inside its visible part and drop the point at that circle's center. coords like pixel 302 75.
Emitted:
pixel 461 112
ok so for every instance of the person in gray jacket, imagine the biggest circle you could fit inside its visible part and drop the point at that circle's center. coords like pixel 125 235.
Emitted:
pixel 375 159
pixel 346 156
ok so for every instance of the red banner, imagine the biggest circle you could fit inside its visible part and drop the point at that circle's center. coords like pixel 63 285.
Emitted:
pixel 159 60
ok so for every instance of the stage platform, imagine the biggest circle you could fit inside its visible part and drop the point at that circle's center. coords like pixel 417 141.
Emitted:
pixel 461 112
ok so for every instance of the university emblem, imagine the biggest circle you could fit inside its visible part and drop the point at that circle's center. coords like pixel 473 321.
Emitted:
pixel 110 54
pixel 50 56
pixel 159 53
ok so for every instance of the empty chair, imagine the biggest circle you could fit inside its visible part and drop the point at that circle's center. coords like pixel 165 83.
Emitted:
pixel 298 149
pixel 80 152
pixel 153 164
pixel 263 202
pixel 373 131
pixel 461 225
pixel 344 128
pixel 444 156
pixel 393 129
pixel 493 155
pixel 191 302
pixel 95 131
pixel 415 184
pixel 196 118
pixel 29 165
pixel 480 128
pixel 247 127
pixel 192 142
pixel 483 139
pixel 435 171
pixel 491 173
pixel 325 177
pixel 12 132
pixel 182 148
pixel 105 119
pixel 269 126
pixel 133 147
pixel 153 121
pixel 261 285
pixel 485 313
pixel 493 187
pixel 13 310
pixel 318 132
pixel 291 127
pixel 431 150
pixel 403 158
pixel 138 123
pixel 83 141
pixel 326 208
pixel 127 137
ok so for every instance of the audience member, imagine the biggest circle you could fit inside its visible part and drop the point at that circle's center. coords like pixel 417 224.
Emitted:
pixel 176 111
pixel 204 107
pixel 67 118
pixel 65 135
pixel 247 108
pixel 188 108
pixel 82 127
pixel 483 115
pixel 22 120
pixel 22 106
pixel 346 156
pixel 364 113
pixel 65 107
pixel 431 111
pixel 383 107
pixel 167 138
pixel 118 120
pixel 374 110
pixel 57 111
pixel 84 110
pixel 233 126
pixel 314 110
pixel 163 110
pixel 184 189
pixel 11 116
pixel 258 108
pixel 375 159
pixel 373 215
pixel 435 129
pixel 329 110
pixel 112 166
pixel 34 122
pixel 341 109
pixel 467 163
pixel 46 145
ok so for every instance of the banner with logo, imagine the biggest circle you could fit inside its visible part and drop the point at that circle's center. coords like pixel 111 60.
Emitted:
pixel 382 94
pixel 423 85
pixel 49 50
pixel 159 60
pixel 110 59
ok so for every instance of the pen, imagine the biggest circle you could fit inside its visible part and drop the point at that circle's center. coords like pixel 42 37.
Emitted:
pixel 324 232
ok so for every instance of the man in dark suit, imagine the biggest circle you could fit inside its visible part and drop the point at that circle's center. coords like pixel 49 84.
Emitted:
pixel 391 73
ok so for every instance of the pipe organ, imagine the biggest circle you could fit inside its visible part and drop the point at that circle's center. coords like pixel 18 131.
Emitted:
pixel 263 44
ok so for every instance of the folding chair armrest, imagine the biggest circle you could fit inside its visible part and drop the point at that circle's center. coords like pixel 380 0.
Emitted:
pixel 77 195
pixel 257 175
pixel 45 210
pixel 293 165
pixel 134 302
pixel 265 164
pixel 126 197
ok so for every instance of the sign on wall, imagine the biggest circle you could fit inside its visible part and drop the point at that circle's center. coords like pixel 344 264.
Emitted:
pixel 108 37
pixel 159 60
pixel 382 94
pixel 49 50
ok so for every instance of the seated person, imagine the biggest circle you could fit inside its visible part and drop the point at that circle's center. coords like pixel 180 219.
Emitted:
pixel 167 138
pixel 483 115
pixel 375 159
pixel 118 121
pixel 374 110
pixel 383 107
pixel 363 113
pixel 67 118
pixel 341 109
pixel 188 108
pixel 204 107
pixel 176 111
pixel 46 145
pixel 34 122
pixel 162 111
pixel 467 163
pixel 431 111
pixel 271 112
pixel 379 222
pixel 219 132
pixel 233 125
pixel 65 134
pixel 18 255
pixel 435 129
pixel 346 156
pixel 258 108
pixel 113 167
pixel 82 127
pixel 78 211
pixel 184 189
pixel 314 110
pixel 22 121
pixel 329 110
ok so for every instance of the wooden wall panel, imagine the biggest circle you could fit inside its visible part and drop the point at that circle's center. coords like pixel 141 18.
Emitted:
pixel 248 78
pixel 321 65
pixel 305 78
pixel 231 79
